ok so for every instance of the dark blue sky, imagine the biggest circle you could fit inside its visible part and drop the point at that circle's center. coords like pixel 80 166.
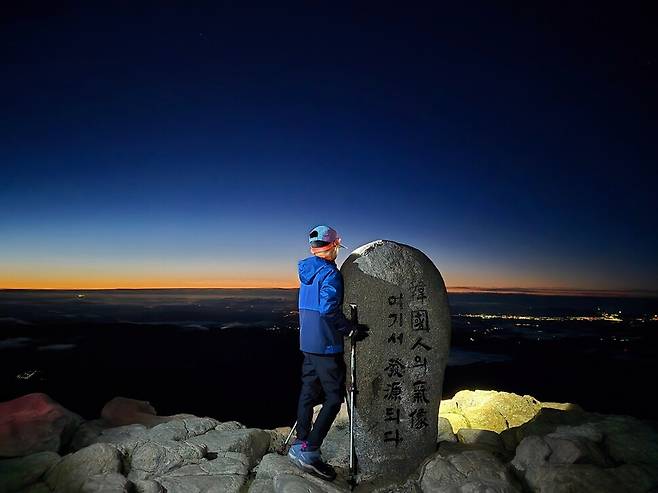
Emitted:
pixel 196 146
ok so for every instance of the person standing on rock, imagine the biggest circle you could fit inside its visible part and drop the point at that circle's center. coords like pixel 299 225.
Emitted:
pixel 322 326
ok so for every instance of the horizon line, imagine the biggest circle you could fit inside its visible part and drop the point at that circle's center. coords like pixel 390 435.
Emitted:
pixel 545 291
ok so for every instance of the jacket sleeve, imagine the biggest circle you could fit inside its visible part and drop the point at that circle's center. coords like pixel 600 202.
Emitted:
pixel 331 300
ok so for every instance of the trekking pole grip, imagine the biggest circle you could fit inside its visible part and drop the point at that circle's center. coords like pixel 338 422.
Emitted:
pixel 354 314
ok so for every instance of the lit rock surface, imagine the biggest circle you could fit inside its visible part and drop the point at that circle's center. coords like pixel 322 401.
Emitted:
pixel 488 410
pixel 277 438
pixel 401 298
pixel 560 449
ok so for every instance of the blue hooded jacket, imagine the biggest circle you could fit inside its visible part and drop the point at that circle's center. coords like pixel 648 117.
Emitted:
pixel 322 324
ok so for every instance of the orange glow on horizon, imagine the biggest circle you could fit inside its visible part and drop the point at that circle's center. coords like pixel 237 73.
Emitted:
pixel 171 276
pixel 140 279
pixel 247 283
pixel 112 283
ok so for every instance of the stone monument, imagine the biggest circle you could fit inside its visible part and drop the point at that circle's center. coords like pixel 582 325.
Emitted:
pixel 400 295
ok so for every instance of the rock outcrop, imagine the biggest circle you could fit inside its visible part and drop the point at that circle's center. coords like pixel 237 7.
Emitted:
pixel 35 423
pixel 468 470
pixel 124 411
pixel 488 410
pixel 74 470
pixel 561 448
pixel 16 473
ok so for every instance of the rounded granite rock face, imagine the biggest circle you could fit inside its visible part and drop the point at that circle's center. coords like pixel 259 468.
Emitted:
pixel 401 297
pixel 35 423
pixel 489 410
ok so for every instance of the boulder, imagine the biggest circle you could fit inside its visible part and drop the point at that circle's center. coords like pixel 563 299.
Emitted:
pixel 637 477
pixel 180 442
pixel 489 410
pixel 558 448
pixel 470 470
pixel 87 433
pixel 121 434
pixel 73 470
pixel 587 430
pixel 562 406
pixel 485 438
pixel 409 486
pixel 226 473
pixel 112 482
pixel 205 484
pixel 457 421
pixel 229 426
pixel 224 463
pixel 152 458
pixel 278 438
pixel 19 473
pixel 252 442
pixel 261 486
pixel 35 423
pixel 39 487
pixel 531 452
pixel 572 449
pixel 125 411
pixel 546 421
pixel 445 431
pixel 570 459
pixel 181 429
pixel 579 437
pixel 629 440
pixel 147 486
pixel 287 483
pixel 581 478
pixel 274 465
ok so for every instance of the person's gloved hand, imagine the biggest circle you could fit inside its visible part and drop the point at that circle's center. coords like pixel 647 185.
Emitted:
pixel 360 332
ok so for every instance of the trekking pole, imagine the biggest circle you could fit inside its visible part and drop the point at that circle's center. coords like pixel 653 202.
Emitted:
pixel 285 444
pixel 354 315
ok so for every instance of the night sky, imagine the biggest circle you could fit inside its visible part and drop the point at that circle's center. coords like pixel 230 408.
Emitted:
pixel 185 146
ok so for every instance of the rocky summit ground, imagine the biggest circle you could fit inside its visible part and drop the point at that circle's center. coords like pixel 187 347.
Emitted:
pixel 488 442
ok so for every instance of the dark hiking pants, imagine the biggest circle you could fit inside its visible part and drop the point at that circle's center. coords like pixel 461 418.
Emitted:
pixel 323 382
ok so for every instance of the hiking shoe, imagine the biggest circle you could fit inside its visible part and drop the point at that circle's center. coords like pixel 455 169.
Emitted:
pixel 295 448
pixel 311 461
pixel 319 468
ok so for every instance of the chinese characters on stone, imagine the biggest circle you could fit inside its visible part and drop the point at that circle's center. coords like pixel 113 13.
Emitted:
pixel 399 311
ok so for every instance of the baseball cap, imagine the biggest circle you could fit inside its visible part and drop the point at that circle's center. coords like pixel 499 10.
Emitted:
pixel 326 234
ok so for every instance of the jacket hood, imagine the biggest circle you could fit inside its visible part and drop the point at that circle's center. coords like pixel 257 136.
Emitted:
pixel 309 268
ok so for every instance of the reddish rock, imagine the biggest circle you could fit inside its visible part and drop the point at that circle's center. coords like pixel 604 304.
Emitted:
pixel 35 423
pixel 123 411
